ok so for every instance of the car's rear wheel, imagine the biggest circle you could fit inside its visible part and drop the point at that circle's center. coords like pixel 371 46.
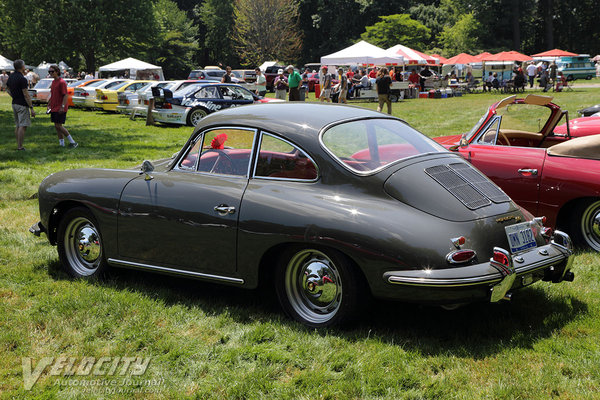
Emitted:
pixel 79 244
pixel 585 224
pixel 317 287
pixel 196 115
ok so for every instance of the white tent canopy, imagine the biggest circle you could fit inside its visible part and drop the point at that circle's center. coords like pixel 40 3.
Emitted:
pixel 6 64
pixel 362 53
pixel 134 69
pixel 42 69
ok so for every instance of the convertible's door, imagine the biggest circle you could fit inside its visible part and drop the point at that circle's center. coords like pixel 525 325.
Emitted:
pixel 181 220
pixel 517 170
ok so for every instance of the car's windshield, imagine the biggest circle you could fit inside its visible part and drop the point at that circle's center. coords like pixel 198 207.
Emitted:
pixel 95 83
pixel 369 145
pixel 524 117
pixel 116 85
pixel 43 84
pixel 76 83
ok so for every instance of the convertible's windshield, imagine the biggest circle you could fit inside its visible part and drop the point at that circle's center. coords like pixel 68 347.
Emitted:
pixel 475 129
pixel 371 144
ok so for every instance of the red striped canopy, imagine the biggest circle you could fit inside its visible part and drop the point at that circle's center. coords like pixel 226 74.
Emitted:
pixel 412 56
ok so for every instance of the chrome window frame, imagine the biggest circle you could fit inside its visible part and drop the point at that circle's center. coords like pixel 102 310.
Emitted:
pixel 257 154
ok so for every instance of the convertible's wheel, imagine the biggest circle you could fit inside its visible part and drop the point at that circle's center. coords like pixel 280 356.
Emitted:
pixel 585 224
pixel 196 115
pixel 317 288
pixel 79 244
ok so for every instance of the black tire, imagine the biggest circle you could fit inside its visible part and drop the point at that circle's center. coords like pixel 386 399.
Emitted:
pixel 570 78
pixel 196 115
pixel 585 224
pixel 589 77
pixel 317 287
pixel 79 244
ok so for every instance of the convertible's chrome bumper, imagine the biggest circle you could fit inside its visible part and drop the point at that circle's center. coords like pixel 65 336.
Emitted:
pixel 37 228
pixel 554 259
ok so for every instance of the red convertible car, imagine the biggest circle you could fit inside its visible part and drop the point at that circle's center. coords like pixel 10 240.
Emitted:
pixel 547 169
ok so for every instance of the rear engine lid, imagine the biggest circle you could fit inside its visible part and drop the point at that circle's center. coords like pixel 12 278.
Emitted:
pixel 449 188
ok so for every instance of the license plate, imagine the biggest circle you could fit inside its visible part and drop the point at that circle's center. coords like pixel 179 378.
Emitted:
pixel 520 237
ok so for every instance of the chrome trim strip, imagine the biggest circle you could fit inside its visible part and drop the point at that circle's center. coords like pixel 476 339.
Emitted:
pixel 157 268
pixel 476 280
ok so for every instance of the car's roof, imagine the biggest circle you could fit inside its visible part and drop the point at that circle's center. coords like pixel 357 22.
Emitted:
pixel 296 121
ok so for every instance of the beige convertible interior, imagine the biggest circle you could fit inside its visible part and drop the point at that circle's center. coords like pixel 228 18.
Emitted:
pixel 583 147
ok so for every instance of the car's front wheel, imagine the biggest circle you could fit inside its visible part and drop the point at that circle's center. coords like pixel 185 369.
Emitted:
pixel 317 287
pixel 196 115
pixel 585 224
pixel 79 244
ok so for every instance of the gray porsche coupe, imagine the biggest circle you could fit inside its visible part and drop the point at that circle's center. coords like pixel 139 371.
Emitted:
pixel 330 204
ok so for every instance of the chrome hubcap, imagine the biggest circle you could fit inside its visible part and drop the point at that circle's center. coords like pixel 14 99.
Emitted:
pixel 313 286
pixel 590 225
pixel 83 246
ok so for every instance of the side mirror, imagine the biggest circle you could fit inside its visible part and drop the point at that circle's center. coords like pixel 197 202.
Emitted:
pixel 147 167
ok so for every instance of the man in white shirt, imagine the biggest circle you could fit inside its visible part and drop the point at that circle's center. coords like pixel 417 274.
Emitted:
pixel 531 71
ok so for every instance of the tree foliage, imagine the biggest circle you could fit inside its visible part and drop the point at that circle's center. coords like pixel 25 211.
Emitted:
pixel 460 37
pixel 266 30
pixel 397 29
pixel 218 19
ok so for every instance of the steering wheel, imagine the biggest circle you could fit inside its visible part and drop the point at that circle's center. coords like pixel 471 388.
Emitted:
pixel 502 136
pixel 223 164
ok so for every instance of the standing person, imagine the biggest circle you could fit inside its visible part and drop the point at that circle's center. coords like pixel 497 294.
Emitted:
pixel 553 68
pixel 3 80
pixel 280 84
pixel 29 77
pixel 424 74
pixel 227 77
pixel 261 83
pixel 343 87
pixel 531 71
pixel 21 102
pixel 326 86
pixel 294 81
pixel 383 82
pixel 57 104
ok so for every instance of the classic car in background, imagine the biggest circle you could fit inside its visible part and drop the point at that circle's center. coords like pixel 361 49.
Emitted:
pixel 85 97
pixel 329 204
pixel 141 108
pixel 589 111
pixel 549 170
pixel 214 75
pixel 107 98
pixel 189 106
pixel 41 91
pixel 81 83
pixel 244 75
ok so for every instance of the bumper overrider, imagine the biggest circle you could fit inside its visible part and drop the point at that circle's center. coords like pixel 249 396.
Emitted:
pixel 551 262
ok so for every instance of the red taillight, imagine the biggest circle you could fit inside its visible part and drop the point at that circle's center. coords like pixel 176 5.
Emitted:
pixel 460 256
pixel 85 94
pixel 167 106
pixel 501 258
pixel 126 101
pixel 103 97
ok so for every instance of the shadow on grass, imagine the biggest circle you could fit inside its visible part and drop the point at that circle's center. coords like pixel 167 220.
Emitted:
pixel 474 331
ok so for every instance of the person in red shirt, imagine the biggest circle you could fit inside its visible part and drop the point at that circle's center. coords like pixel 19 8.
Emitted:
pixel 57 106
pixel 349 74
pixel 414 78
pixel 373 73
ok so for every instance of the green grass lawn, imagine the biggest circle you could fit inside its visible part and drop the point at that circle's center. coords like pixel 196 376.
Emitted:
pixel 210 341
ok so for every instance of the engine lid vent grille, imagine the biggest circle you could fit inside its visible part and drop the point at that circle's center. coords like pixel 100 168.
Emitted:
pixel 469 186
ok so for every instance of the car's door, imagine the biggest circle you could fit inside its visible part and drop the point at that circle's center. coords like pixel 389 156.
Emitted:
pixel 234 96
pixel 517 170
pixel 186 218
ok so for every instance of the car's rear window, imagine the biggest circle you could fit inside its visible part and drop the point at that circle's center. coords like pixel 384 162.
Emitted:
pixel 365 146
pixel 43 84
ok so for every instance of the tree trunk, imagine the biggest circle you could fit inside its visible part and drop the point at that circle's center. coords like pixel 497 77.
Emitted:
pixel 548 24
pixel 90 62
pixel 516 25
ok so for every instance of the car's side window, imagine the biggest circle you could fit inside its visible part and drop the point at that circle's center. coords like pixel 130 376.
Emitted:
pixel 242 94
pixel 226 92
pixel 489 136
pixel 226 151
pixel 207 93
pixel 191 158
pixel 279 159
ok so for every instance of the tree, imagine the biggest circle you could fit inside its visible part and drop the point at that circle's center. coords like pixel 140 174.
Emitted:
pixel 217 16
pixel 175 42
pixel 397 29
pixel 267 30
pixel 462 36
pixel 52 30
pixel 433 17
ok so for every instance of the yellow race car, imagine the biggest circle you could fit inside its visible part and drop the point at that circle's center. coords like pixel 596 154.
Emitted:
pixel 107 99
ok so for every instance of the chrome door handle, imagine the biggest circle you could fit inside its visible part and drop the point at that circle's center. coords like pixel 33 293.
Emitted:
pixel 524 171
pixel 224 209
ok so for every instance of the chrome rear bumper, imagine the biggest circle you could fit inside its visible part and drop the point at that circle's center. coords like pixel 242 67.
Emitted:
pixel 555 259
